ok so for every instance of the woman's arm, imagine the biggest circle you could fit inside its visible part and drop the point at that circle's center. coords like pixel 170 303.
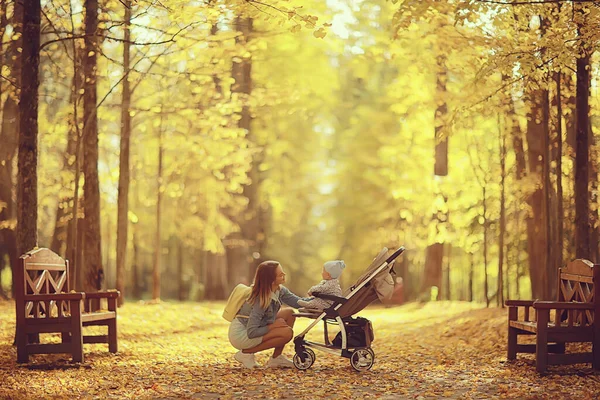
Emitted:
pixel 253 327
pixel 289 298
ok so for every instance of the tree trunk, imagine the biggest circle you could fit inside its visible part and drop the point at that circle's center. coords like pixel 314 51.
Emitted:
pixel 536 234
pixel 74 248
pixel 123 196
pixel 485 250
pixel 547 209
pixel 441 116
pixel 250 222
pixel 593 199
pixel 94 273
pixel 434 255
pixel 135 265
pixel 447 285
pixel 582 223
pixel 181 295
pixel 157 242
pixel 27 195
pixel 500 287
pixel 558 161
pixel 471 272
pixel 215 276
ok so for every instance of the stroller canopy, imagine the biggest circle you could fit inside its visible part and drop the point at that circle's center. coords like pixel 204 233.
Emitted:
pixel 378 285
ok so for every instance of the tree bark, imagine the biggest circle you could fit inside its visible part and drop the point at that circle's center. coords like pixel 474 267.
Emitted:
pixel 434 255
pixel 215 276
pixel 558 161
pixel 582 209
pixel 485 249
pixel 94 273
pixel 441 115
pixel 500 287
pixel 27 196
pixel 124 173
pixel 471 272
pixel 157 243
pixel 536 234
pixel 582 225
pixel 253 233
pixel 547 209
pixel 181 295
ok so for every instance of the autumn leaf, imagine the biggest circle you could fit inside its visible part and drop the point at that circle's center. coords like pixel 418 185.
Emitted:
pixel 320 33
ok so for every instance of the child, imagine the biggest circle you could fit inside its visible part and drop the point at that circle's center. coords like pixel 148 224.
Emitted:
pixel 329 285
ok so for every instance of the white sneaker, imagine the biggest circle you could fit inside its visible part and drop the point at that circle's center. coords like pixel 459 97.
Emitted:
pixel 279 362
pixel 247 360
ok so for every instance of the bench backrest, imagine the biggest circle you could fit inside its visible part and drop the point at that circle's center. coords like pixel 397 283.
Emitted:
pixel 579 281
pixel 41 271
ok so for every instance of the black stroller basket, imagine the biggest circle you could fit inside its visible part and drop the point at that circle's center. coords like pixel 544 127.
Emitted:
pixel 359 332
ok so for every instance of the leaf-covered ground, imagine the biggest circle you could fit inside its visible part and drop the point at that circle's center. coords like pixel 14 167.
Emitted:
pixel 180 350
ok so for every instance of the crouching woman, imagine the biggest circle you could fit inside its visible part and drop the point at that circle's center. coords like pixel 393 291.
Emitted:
pixel 260 324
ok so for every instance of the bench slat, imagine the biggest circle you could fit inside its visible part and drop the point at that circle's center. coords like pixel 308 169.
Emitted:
pixel 58 348
pixel 98 316
pixel 578 278
pixel 571 358
pixel 524 325
pixel 95 339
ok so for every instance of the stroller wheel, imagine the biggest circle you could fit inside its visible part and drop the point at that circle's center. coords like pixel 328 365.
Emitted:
pixel 362 359
pixel 309 359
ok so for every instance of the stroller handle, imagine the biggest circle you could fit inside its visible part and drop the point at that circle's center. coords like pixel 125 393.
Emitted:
pixel 395 255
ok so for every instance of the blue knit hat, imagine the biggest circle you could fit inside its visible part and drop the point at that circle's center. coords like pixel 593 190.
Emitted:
pixel 334 268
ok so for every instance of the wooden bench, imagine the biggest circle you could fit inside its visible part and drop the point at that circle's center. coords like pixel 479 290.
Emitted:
pixel 44 304
pixel 554 323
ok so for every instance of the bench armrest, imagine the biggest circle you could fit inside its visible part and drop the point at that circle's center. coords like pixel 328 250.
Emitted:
pixel 54 296
pixel 519 303
pixel 337 299
pixel 110 294
pixel 562 305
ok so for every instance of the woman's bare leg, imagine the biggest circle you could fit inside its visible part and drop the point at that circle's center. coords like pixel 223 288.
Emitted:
pixel 287 315
pixel 275 338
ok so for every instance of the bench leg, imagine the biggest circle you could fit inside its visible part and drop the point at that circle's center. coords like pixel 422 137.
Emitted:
pixel 541 341
pixel 512 343
pixel 76 335
pixel 112 336
pixel 22 355
pixel 512 334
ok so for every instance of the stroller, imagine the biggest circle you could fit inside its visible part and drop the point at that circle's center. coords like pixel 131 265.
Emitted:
pixel 356 334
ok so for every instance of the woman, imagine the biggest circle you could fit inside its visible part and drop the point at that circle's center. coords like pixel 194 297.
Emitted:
pixel 260 324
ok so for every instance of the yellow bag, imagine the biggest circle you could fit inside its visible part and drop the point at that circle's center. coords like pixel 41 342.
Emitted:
pixel 236 300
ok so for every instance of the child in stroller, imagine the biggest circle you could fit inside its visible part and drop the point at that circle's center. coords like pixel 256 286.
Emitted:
pixel 329 285
pixel 356 334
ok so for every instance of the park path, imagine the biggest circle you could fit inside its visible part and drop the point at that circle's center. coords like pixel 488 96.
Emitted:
pixel 169 350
